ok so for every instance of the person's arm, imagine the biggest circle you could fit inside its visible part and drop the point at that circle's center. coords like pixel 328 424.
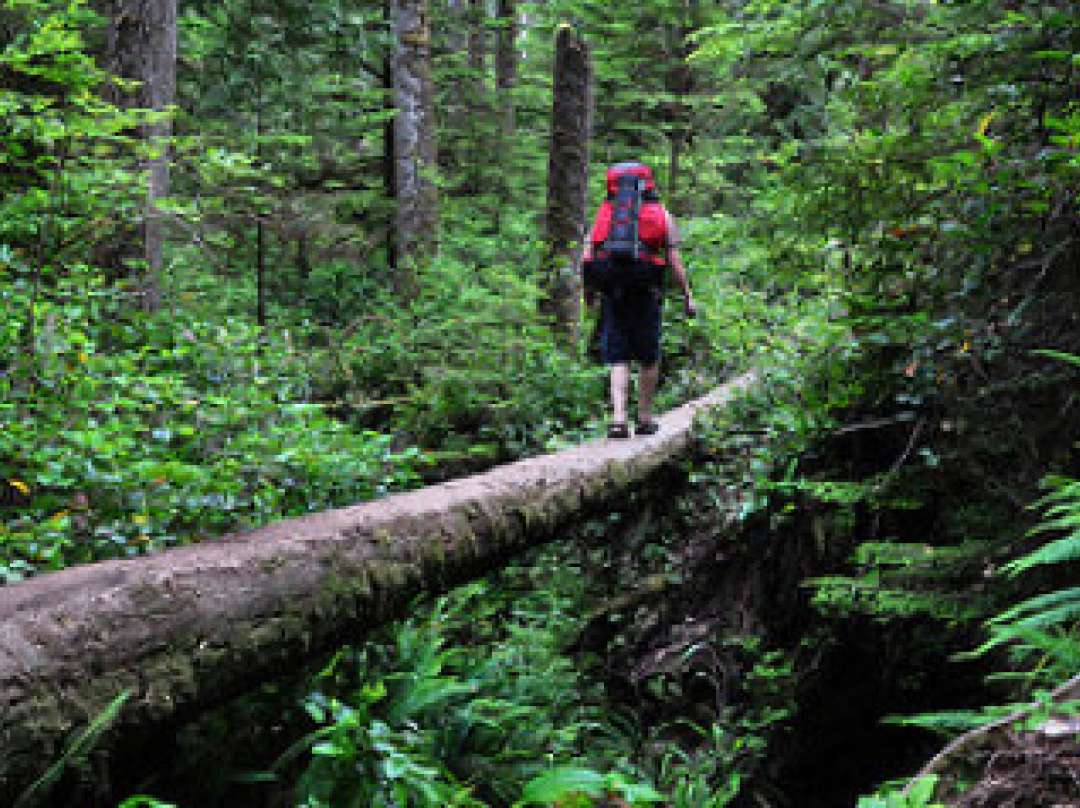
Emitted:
pixel 678 269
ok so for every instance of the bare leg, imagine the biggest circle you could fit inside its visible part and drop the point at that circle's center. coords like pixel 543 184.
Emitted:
pixel 647 379
pixel 620 387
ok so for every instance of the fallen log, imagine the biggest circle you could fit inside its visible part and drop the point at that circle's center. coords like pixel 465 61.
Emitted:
pixel 189 628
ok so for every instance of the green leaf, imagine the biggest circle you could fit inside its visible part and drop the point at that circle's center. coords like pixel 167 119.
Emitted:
pixel 922 791
pixel 560 783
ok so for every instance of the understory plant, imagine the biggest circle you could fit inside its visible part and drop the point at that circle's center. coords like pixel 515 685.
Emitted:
pixel 471 702
pixel 476 700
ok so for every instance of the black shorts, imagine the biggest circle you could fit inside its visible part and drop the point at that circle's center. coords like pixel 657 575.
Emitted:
pixel 630 327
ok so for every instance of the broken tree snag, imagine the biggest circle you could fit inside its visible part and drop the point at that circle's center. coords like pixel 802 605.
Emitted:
pixel 141 47
pixel 190 628
pixel 568 181
pixel 417 219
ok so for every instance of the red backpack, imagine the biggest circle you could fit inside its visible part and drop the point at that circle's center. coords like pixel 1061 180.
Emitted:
pixel 629 237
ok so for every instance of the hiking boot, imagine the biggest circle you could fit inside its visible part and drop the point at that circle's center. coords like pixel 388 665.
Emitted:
pixel 650 427
pixel 618 431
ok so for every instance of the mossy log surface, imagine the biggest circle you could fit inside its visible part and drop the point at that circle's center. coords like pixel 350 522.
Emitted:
pixel 186 629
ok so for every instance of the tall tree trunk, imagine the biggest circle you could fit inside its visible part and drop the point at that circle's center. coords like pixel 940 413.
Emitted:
pixel 477 45
pixel 389 164
pixel 679 83
pixel 506 58
pixel 414 144
pixel 141 46
pixel 568 170
pixel 676 138
pixel 260 224
pixel 477 106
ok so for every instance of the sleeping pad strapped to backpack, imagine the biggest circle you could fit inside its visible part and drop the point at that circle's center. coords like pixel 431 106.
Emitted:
pixel 629 236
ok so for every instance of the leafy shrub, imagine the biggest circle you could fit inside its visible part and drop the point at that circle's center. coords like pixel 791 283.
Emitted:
pixel 471 702
pixel 172 441
pixel 470 360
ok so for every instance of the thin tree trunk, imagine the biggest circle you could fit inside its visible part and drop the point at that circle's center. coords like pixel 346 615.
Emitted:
pixel 679 82
pixel 506 59
pixel 477 48
pixel 568 169
pixel 676 137
pixel 477 106
pixel 389 163
pixel 141 46
pixel 414 144
pixel 303 262
pixel 260 224
pixel 260 272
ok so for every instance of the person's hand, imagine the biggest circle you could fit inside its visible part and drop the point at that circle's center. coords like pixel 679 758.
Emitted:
pixel 691 306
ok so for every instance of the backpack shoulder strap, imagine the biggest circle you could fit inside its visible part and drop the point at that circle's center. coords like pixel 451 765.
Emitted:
pixel 602 223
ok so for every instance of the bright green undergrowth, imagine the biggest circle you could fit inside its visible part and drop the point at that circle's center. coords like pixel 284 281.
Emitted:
pixel 476 701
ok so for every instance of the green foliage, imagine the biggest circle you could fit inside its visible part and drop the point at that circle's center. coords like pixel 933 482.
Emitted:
pixel 585 788
pixel 902 580
pixel 146 448
pixel 470 362
pixel 921 795
pixel 1041 631
pixel 466 703
pixel 706 777
pixel 145 451
pixel 884 197
pixel 475 701
pixel 1062 509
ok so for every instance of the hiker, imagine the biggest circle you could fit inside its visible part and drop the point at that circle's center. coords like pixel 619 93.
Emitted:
pixel 632 242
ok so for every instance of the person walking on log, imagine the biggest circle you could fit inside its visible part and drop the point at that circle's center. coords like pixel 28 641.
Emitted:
pixel 632 243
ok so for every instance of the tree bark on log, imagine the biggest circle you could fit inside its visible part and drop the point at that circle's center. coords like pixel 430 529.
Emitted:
pixel 190 628
pixel 568 182
pixel 141 46
pixel 414 144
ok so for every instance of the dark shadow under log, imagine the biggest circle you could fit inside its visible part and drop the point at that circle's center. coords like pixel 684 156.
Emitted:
pixel 190 628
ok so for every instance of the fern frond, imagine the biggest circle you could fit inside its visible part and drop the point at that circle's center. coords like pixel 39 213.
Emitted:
pixel 1047 601
pixel 1033 631
pixel 1045 618
pixel 1063 516
pixel 950 722
pixel 1061 355
pixel 1056 552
